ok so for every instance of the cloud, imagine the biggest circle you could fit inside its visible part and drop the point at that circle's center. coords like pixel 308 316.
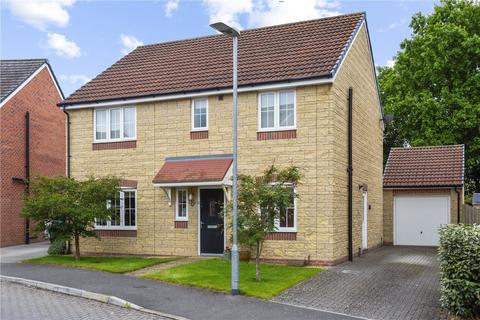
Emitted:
pixel 228 11
pixel 74 78
pixel 390 63
pixel 40 13
pixel 171 6
pixel 397 24
pixel 271 12
pixel 63 46
pixel 129 43
pixel 268 12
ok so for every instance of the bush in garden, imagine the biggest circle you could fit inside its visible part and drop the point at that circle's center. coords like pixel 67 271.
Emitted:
pixel 57 247
pixel 459 255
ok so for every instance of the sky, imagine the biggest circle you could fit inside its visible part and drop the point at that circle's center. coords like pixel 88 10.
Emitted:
pixel 82 38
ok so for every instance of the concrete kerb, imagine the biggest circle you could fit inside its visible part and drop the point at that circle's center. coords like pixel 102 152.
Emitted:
pixel 87 295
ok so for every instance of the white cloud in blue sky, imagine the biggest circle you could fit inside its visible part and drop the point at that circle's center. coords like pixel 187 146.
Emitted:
pixel 129 43
pixel 170 7
pixel 63 46
pixel 40 14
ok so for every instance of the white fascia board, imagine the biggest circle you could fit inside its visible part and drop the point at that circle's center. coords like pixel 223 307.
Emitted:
pixel 187 184
pixel 276 86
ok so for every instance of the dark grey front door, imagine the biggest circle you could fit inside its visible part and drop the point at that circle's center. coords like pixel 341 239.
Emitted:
pixel 211 221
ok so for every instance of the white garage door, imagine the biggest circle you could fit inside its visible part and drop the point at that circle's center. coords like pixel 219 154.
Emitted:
pixel 417 218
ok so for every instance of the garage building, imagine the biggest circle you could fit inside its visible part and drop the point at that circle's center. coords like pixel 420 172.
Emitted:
pixel 423 189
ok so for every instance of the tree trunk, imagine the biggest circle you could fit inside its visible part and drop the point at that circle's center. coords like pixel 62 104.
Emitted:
pixel 77 247
pixel 257 263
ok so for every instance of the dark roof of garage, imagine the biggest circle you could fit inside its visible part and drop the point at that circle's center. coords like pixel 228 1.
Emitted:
pixel 436 166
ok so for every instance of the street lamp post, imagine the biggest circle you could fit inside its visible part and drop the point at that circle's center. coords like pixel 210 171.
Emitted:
pixel 232 32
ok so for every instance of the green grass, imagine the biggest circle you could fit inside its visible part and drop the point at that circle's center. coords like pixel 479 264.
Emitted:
pixel 108 264
pixel 214 274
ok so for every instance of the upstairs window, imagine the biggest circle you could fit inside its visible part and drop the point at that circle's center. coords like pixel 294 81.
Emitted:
pixel 115 124
pixel 277 111
pixel 199 114
pixel 125 212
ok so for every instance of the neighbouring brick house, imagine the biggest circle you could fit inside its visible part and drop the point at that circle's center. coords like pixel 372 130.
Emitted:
pixel 423 189
pixel 29 96
pixel 160 118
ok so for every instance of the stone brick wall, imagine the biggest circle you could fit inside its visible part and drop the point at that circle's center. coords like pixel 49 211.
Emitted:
pixel 357 72
pixel 388 197
pixel 163 130
pixel 47 148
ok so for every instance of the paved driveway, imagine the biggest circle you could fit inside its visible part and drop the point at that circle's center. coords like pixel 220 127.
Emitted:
pixel 388 283
pixel 23 252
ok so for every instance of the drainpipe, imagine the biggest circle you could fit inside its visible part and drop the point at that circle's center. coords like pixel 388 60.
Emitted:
pixel 68 141
pixel 350 176
pixel 458 205
pixel 27 171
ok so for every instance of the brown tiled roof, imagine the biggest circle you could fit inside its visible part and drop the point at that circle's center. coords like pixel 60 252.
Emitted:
pixel 295 51
pixel 425 167
pixel 194 169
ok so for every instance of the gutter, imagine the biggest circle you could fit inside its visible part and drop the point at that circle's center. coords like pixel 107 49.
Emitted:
pixel 27 171
pixel 350 175
pixel 458 204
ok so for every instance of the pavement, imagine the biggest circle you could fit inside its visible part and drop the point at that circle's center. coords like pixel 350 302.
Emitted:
pixel 191 303
pixel 23 302
pixel 389 283
pixel 24 252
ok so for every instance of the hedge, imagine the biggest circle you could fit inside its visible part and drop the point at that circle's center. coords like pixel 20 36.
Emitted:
pixel 459 255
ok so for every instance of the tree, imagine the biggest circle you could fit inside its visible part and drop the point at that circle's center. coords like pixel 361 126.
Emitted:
pixel 71 206
pixel 433 90
pixel 260 203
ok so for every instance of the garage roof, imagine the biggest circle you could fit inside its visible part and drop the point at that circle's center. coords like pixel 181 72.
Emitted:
pixel 438 166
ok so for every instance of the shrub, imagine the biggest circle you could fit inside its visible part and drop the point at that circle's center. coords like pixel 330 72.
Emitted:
pixel 459 255
pixel 57 247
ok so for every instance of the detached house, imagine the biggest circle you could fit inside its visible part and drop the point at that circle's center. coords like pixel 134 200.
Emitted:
pixel 32 139
pixel 160 118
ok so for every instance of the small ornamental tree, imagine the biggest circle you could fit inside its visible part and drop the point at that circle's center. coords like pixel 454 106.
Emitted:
pixel 70 206
pixel 261 200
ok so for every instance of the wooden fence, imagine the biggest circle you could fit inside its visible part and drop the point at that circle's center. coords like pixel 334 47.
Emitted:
pixel 470 215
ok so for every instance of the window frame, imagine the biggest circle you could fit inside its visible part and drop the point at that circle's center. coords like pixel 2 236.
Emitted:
pixel 295 210
pixel 276 111
pixel 193 115
pixel 108 124
pixel 122 213
pixel 177 217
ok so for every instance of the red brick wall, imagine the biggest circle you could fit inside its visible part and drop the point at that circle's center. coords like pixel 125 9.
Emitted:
pixel 47 148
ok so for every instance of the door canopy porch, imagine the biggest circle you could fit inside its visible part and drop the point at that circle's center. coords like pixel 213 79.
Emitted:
pixel 193 171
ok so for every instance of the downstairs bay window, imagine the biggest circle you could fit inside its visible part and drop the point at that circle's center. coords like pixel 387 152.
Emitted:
pixel 125 212
pixel 287 217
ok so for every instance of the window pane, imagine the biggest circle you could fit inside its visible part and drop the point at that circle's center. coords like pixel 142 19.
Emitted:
pixel 182 204
pixel 130 210
pixel 115 219
pixel 129 122
pixel 101 222
pixel 101 124
pixel 267 110
pixel 287 109
pixel 287 215
pixel 115 115
pixel 200 113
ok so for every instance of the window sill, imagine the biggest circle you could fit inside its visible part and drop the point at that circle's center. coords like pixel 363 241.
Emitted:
pixel 282 235
pixel 181 224
pixel 127 233
pixel 114 145
pixel 276 135
pixel 196 135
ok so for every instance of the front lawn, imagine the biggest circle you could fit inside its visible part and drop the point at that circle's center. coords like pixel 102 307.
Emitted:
pixel 215 274
pixel 108 264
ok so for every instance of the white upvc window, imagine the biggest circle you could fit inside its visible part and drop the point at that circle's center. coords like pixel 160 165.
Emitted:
pixel 114 124
pixel 125 213
pixel 287 217
pixel 200 114
pixel 277 111
pixel 181 211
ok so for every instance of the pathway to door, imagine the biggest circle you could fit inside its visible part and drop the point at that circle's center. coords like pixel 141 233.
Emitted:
pixel 387 283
